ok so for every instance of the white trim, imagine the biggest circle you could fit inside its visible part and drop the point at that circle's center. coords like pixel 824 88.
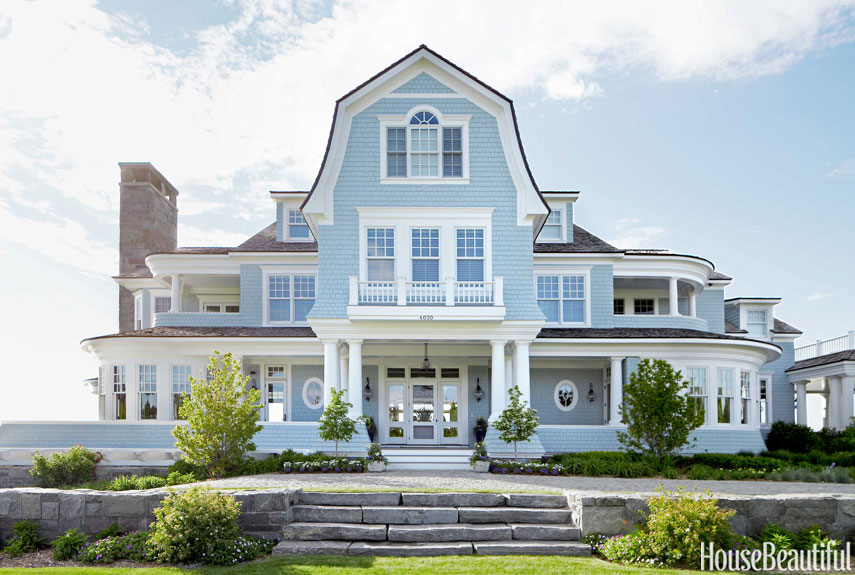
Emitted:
pixel 266 272
pixel 561 272
pixel 562 239
pixel 306 385
pixel 557 401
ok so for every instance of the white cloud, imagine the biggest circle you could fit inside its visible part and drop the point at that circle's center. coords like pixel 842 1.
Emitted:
pixel 818 296
pixel 847 168
pixel 630 233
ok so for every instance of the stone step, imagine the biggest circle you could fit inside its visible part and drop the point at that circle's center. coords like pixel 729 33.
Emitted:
pixel 327 514
pixel 449 532
pixel 410 515
pixel 311 548
pixel 309 531
pixel 392 549
pixel 532 548
pixel 528 532
pixel 453 499
pixel 537 500
pixel 513 515
pixel 359 499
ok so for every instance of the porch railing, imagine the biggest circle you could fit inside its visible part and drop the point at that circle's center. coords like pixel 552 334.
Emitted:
pixel 440 293
pixel 824 347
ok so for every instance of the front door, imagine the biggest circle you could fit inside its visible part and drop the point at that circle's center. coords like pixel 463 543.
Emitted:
pixel 424 407
pixel 422 413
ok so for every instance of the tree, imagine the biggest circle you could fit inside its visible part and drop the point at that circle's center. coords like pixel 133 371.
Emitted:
pixel 659 416
pixel 518 422
pixel 222 417
pixel 334 424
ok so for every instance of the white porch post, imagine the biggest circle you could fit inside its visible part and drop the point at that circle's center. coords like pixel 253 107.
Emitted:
pixel 693 309
pixel 331 366
pixel 354 377
pixel 509 370
pixel 846 391
pixel 175 300
pixel 801 402
pixel 342 371
pixel 834 402
pixel 497 381
pixel 522 375
pixel 164 390
pixel 673 309
pixel 826 415
pixel 616 390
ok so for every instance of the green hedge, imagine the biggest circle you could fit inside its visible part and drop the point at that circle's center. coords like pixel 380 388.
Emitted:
pixel 803 439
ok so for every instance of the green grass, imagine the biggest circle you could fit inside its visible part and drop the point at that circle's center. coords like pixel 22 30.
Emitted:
pixel 335 489
pixel 522 565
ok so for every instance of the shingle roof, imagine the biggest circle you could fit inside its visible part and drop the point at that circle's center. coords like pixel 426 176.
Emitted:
pixel 719 276
pixel 214 332
pixel 730 328
pixel 630 333
pixel 583 242
pixel 848 355
pixel 263 241
pixel 784 327
pixel 140 272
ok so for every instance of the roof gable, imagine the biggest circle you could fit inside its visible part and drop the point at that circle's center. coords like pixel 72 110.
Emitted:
pixel 423 83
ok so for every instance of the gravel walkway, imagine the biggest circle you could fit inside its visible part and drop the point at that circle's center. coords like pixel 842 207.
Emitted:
pixel 464 480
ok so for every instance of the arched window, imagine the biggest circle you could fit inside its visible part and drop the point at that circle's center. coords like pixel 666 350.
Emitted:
pixel 566 395
pixel 425 148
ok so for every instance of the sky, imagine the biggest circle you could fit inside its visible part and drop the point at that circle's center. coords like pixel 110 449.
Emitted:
pixel 721 129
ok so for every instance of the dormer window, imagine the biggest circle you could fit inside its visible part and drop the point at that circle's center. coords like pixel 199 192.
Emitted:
pixel 552 230
pixel 424 145
pixel 298 229
pixel 756 322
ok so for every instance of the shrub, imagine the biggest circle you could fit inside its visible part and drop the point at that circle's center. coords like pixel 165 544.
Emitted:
pixel 598 463
pixel 133 546
pixel 340 465
pixel 194 525
pixel 111 531
pixel 700 472
pixel 632 549
pixel 595 540
pixel 792 437
pixel 183 467
pixel 62 469
pixel 139 482
pixel 526 467
pixel 244 548
pixel 479 453
pixel 375 453
pixel 66 545
pixel 480 430
pixel 25 539
pixel 370 426
pixel 334 424
pixel 727 461
pixel 806 539
pixel 831 474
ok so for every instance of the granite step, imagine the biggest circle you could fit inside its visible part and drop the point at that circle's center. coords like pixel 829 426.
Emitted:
pixel 313 531
pixel 529 532
pixel 452 499
pixel 393 549
pixel 449 532
pixel 537 500
pixel 514 515
pixel 358 499
pixel 311 548
pixel 410 515
pixel 532 548
pixel 327 514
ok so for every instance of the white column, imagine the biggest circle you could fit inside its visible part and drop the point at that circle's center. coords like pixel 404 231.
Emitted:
pixel 846 391
pixel 175 302
pixel 834 402
pixel 801 402
pixel 330 368
pixel 693 310
pixel 354 377
pixel 672 297
pixel 342 371
pixel 825 416
pixel 521 370
pixel 497 381
pixel 616 391
pixel 509 370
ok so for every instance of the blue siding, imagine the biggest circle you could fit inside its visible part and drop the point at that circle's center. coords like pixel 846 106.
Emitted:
pixel 782 401
pixel 568 213
pixel 478 408
pixel 299 375
pixel 731 314
pixel 579 439
pixel 371 408
pixel 280 222
pixel 543 382
pixel 709 305
pixel 602 294
pixel 423 83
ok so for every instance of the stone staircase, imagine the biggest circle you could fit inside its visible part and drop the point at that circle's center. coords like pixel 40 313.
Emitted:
pixel 428 524
pixel 427 458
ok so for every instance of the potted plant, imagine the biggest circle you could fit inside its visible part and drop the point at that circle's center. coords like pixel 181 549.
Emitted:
pixel 479 461
pixel 376 460
pixel 480 430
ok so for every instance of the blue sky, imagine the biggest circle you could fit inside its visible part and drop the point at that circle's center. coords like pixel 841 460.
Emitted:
pixel 722 129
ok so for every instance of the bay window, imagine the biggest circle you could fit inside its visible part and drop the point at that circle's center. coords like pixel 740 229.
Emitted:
pixel 725 394
pixel 698 387
pixel 119 393
pixel 147 383
pixel 745 394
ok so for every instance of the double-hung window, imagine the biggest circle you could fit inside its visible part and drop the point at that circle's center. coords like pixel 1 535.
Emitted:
pixel 148 391
pixel 138 311
pixel 162 304
pixel 619 306
pixel 180 386
pixel 119 393
pixel 643 306
pixel 380 254
pixel 725 395
pixel 562 298
pixel 424 145
pixel 756 322
pixel 551 231
pixel 425 254
pixel 470 255
pixel 290 297
pixel 396 153
pixel 745 394
pixel 298 229
pixel 763 385
pixel 698 387
pixel 452 152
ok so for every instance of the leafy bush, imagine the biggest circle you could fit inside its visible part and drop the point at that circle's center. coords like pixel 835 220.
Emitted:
pixel 599 463
pixel 526 467
pixel 66 545
pixel 133 546
pixel 138 482
pixel 784 539
pixel 25 539
pixel 73 467
pixel 244 548
pixel 479 453
pixel 194 525
pixel 340 465
pixel 183 467
pixel 290 461
pixel 700 472
pixel 792 437
pixel 111 531
pixel 726 461
pixel 632 549
pixel 830 474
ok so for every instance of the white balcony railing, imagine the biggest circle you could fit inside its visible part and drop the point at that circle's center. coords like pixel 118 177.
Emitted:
pixel 442 293
pixel 824 347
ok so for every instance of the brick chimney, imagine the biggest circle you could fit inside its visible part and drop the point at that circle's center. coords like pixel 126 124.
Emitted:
pixel 148 223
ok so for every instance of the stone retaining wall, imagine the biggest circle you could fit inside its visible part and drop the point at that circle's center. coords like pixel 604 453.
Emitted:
pixel 262 511
pixel 613 514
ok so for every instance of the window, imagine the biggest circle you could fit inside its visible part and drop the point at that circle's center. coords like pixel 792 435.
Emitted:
pixel 643 307
pixel 289 298
pixel 138 311
pixel 313 393
pixel 148 391
pixel 725 394
pixel 298 229
pixel 745 394
pixel 424 145
pixel 756 322
pixel 380 254
pixel 276 382
pixel 764 399
pixel 551 231
pixel 425 254
pixel 566 395
pixel 570 306
pixel 221 308
pixel 452 153
pixel 119 393
pixel 396 153
pixel 162 304
pixel 180 386
pixel 470 255
pixel 698 387
pixel 620 307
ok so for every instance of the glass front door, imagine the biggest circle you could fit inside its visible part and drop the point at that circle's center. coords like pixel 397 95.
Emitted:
pixel 423 413
pixel 424 407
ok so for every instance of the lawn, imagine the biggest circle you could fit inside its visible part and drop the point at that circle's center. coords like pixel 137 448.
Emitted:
pixel 522 565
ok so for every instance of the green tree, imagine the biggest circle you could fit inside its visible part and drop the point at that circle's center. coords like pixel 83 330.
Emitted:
pixel 658 414
pixel 334 424
pixel 518 422
pixel 222 417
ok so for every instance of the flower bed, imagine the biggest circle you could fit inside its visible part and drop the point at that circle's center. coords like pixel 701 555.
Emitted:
pixel 340 465
pixel 526 468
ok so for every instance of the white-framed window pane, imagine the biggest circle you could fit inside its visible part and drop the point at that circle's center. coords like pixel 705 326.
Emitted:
pixel 424 140
pixel 302 307
pixel 396 153
pixel 423 118
pixel 549 309
pixel 698 387
pixel 756 322
pixel 280 310
pixel 118 379
pixel 574 311
pixel 424 165
pixel 425 243
pixel 279 297
pixel 574 287
pixel 162 304
pixel 470 243
pixel 745 394
pixel 470 270
pixel 181 379
pixel 297 226
pixel 380 242
pixel 425 270
pixel 381 270
pixel 148 378
pixel 549 232
pixel 620 306
pixel 452 153
pixel 643 306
